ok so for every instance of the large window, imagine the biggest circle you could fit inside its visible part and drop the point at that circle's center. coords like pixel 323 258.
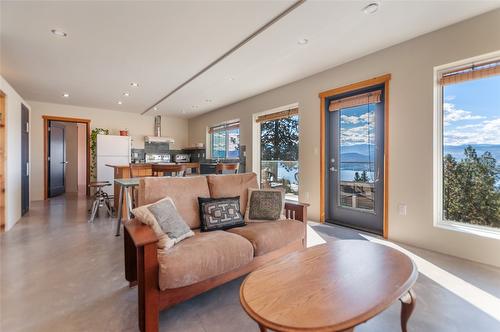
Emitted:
pixel 468 127
pixel 279 151
pixel 225 141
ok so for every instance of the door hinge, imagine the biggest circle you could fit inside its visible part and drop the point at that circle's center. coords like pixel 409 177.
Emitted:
pixel 48 158
pixel 48 128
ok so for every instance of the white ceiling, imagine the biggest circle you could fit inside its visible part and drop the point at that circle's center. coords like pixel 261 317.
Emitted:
pixel 162 44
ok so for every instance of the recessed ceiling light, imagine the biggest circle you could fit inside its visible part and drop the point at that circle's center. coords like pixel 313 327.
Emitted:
pixel 155 108
pixel 371 8
pixel 303 41
pixel 119 102
pixel 65 95
pixel 59 33
pixel 126 94
pixel 134 84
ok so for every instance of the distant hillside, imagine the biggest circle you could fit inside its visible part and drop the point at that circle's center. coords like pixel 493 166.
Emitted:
pixel 457 151
pixel 354 157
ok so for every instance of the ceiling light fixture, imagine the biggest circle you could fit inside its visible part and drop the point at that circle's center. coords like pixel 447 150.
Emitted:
pixel 134 84
pixel 155 108
pixel 59 33
pixel 303 41
pixel 119 102
pixel 371 8
pixel 126 94
pixel 65 95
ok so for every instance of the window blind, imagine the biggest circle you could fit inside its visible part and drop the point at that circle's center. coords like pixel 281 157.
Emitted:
pixel 357 100
pixel 277 115
pixel 223 127
pixel 471 72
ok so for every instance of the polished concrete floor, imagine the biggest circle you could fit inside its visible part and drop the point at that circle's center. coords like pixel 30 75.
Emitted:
pixel 59 273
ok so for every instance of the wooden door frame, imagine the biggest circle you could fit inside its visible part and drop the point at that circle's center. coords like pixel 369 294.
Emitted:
pixel 384 79
pixel 46 119
pixel 3 158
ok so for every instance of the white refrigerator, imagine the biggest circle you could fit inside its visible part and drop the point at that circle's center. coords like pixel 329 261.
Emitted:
pixel 111 150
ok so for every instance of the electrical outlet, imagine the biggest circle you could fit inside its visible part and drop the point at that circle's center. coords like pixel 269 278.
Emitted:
pixel 402 209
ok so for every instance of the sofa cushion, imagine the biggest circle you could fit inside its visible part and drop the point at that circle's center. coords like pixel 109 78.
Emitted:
pixel 201 257
pixel 183 191
pixel 265 205
pixel 231 185
pixel 267 236
pixel 220 213
pixel 165 221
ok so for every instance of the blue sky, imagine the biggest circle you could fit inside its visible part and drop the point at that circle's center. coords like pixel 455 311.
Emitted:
pixel 472 112
pixel 357 125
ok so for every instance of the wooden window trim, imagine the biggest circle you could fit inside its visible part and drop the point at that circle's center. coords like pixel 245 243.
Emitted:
pixel 277 115
pixel 384 79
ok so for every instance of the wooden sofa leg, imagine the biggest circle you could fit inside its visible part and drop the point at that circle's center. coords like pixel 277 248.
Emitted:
pixel 130 259
pixel 147 273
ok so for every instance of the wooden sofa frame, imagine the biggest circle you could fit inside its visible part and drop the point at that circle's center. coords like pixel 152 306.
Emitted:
pixel 142 268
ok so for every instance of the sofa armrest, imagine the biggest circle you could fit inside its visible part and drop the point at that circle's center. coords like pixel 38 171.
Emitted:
pixel 296 211
pixel 140 234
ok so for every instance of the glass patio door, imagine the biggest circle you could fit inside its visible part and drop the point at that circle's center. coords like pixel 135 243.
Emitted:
pixel 355 138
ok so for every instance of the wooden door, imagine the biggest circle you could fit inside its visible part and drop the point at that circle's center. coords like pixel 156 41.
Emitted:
pixel 57 159
pixel 2 161
pixel 25 160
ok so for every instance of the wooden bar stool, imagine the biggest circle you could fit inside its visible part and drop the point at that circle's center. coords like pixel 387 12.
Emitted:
pixel 174 170
pixel 231 168
pixel 195 168
pixel 101 199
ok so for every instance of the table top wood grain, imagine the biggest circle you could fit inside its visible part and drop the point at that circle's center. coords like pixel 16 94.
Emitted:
pixel 330 287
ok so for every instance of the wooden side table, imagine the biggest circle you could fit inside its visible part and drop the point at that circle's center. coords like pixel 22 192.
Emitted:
pixel 330 287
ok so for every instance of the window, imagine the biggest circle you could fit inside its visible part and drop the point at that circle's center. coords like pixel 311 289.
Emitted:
pixel 279 151
pixel 468 145
pixel 225 141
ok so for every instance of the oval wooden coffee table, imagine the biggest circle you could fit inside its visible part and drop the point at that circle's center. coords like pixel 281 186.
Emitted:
pixel 330 287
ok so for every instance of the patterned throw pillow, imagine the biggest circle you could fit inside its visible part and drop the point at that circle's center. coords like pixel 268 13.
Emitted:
pixel 163 218
pixel 265 205
pixel 220 213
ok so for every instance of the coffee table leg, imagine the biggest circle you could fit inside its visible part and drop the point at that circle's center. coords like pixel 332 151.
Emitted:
pixel 262 328
pixel 408 301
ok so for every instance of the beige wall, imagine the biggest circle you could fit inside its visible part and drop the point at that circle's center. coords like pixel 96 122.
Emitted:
pixel 137 125
pixel 13 152
pixel 411 128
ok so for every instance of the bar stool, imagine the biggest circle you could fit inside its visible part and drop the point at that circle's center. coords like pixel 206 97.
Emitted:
pixel 101 199
pixel 227 168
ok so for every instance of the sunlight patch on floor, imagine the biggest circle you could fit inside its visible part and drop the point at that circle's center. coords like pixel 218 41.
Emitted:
pixel 313 238
pixel 470 293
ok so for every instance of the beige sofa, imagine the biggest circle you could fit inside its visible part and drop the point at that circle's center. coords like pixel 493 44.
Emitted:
pixel 208 259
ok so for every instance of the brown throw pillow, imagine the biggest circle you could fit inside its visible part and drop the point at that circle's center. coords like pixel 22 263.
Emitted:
pixel 265 205
pixel 220 213
pixel 166 222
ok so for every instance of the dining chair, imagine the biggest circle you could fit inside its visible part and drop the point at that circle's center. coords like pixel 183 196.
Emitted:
pixel 195 168
pixel 174 170
pixel 228 168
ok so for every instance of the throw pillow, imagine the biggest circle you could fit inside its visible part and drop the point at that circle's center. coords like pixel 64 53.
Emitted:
pixel 220 213
pixel 265 205
pixel 163 218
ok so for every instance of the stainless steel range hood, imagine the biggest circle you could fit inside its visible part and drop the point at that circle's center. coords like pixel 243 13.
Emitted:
pixel 158 138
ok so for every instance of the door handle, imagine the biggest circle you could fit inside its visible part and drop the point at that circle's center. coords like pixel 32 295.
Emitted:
pixel 332 169
pixel 64 162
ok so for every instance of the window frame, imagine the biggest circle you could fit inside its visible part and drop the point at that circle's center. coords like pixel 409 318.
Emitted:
pixel 226 139
pixel 438 140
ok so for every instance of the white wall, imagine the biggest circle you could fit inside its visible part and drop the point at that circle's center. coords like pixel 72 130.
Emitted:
pixel 13 152
pixel 410 130
pixel 137 125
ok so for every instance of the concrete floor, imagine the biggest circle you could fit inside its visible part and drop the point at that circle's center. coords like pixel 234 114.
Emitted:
pixel 59 273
